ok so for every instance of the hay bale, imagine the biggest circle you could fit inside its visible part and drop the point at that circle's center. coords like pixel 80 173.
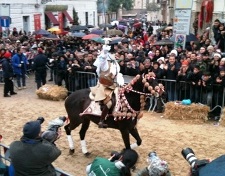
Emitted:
pixel 197 112
pixel 52 92
pixel 222 117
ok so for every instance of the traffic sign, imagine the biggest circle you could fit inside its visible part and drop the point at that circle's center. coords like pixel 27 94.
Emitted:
pixel 5 22
pixel 5 32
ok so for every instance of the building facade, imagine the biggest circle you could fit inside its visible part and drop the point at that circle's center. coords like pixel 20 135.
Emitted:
pixel 30 15
pixel 139 4
pixel 204 12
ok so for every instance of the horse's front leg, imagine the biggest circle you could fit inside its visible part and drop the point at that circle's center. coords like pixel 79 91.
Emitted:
pixel 126 138
pixel 83 130
pixel 135 134
pixel 69 138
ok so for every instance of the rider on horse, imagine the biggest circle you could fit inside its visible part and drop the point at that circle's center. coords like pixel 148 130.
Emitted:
pixel 109 78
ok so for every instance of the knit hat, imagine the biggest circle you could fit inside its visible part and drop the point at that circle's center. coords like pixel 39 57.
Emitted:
pixel 223 59
pixel 217 54
pixel 174 52
pixel 32 129
pixel 185 62
pixel 210 47
pixel 7 55
pixel 161 59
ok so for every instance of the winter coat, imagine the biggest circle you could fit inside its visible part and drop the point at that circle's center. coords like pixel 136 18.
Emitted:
pixel 18 60
pixel 33 157
pixel 171 74
pixel 7 68
pixel 40 62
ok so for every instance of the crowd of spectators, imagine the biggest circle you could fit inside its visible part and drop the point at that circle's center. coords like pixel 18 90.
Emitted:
pixel 196 72
pixel 188 72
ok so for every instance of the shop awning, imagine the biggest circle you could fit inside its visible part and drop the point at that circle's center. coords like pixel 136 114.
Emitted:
pixel 68 16
pixel 52 18
pixel 56 8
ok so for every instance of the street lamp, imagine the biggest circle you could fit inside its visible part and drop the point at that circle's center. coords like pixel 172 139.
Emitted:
pixel 104 12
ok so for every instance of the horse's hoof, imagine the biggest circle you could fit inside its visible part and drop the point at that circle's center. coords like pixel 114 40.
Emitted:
pixel 71 151
pixel 87 154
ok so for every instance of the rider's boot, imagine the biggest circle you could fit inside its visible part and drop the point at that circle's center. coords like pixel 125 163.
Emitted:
pixel 104 114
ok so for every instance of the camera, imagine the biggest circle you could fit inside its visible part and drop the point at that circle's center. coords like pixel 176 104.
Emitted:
pixel 195 163
pixel 51 134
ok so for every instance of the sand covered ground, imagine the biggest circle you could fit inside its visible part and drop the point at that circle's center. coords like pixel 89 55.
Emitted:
pixel 166 137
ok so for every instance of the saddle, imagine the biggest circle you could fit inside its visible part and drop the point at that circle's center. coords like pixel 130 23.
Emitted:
pixel 95 107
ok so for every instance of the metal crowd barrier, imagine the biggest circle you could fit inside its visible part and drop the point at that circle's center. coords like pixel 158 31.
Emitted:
pixel 5 159
pixel 185 90
pixel 176 91
pixel 81 80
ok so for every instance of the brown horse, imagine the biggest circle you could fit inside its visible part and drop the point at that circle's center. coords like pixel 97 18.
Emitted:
pixel 132 95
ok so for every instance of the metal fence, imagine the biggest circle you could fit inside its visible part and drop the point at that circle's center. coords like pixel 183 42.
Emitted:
pixel 185 90
pixel 81 80
pixel 176 91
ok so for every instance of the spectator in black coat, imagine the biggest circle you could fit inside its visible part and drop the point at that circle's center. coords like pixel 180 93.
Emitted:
pixel 7 75
pixel 157 70
pixel 146 67
pixel 62 71
pixel 170 72
pixel 219 88
pixel 183 86
pixel 215 30
pixel 195 79
pixel 207 88
pixel 39 66
pixel 129 66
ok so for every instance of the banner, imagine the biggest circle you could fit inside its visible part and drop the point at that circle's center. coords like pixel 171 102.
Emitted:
pixel 60 19
pixel 183 4
pixel 182 20
pixel 37 22
pixel 180 40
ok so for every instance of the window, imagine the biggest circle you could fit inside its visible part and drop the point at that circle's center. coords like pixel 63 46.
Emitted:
pixel 93 18
pixel 86 18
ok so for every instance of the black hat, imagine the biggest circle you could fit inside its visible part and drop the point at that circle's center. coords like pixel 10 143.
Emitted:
pixel 206 73
pixel 32 129
pixel 156 63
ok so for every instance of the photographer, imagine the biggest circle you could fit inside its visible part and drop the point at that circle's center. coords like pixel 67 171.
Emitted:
pixel 156 167
pixel 32 154
pixel 119 164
